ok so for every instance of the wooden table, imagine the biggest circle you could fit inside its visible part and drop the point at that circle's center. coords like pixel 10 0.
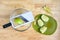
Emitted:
pixel 35 6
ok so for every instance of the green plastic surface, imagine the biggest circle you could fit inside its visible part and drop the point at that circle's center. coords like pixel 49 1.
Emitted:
pixel 51 25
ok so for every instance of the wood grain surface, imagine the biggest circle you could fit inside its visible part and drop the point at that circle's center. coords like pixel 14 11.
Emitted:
pixel 7 6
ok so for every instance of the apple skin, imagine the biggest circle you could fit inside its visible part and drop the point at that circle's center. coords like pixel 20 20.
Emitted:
pixel 18 20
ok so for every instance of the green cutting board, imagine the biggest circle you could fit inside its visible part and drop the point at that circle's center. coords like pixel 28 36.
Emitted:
pixel 51 25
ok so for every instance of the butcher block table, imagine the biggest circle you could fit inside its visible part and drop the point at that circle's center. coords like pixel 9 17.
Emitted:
pixel 7 6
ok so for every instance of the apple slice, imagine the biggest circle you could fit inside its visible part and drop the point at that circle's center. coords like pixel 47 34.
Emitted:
pixel 43 29
pixel 40 23
pixel 44 18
